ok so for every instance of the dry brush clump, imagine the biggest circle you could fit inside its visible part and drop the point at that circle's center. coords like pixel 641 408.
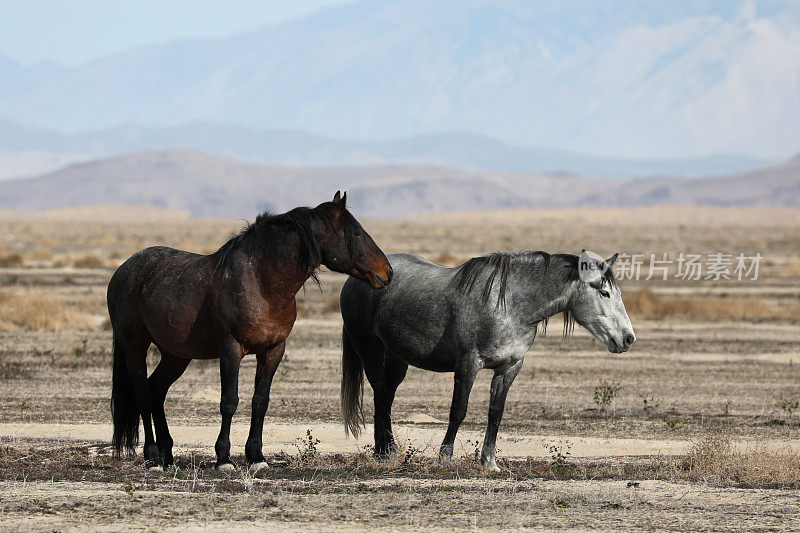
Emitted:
pixel 645 304
pixel 36 310
pixel 10 259
pixel 86 260
pixel 718 459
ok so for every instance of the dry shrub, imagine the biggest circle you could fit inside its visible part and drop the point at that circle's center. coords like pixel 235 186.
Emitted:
pixel 716 458
pixel 38 311
pixel 88 261
pixel 645 304
pixel 40 254
pixel 331 306
pixel 10 259
pixel 60 262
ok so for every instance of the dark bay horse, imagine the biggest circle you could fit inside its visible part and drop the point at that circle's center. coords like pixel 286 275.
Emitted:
pixel 236 301
pixel 483 314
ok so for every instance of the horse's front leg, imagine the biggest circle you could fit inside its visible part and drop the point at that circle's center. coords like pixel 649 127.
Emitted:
pixel 267 364
pixel 229 360
pixel 466 371
pixel 501 382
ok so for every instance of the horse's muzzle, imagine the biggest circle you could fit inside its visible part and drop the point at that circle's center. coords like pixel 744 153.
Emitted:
pixel 615 346
pixel 380 280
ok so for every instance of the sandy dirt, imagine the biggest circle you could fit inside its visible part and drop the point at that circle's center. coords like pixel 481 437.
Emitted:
pixel 406 505
pixel 283 437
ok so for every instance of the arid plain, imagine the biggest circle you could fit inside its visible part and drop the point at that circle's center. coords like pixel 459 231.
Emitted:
pixel 696 427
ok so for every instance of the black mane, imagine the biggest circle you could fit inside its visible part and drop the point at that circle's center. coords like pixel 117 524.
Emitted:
pixel 499 264
pixel 259 236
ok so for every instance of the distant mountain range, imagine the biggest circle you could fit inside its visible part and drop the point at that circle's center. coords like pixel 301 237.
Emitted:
pixel 20 144
pixel 207 185
pixel 641 78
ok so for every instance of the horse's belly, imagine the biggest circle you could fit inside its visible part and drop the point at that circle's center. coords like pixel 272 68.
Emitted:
pixel 422 352
pixel 197 341
pixel 420 339
pixel 432 362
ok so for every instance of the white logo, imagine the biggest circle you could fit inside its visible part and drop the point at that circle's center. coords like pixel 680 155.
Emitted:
pixel 591 266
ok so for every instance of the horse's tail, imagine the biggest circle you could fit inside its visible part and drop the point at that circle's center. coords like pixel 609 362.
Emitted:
pixel 352 390
pixel 123 404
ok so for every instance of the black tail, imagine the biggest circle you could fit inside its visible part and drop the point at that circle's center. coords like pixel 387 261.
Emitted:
pixel 123 405
pixel 352 390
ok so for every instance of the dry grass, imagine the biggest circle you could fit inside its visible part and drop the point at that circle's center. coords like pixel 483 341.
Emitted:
pixel 648 305
pixel 716 458
pixel 40 255
pixel 10 259
pixel 331 306
pixel 35 310
pixel 88 261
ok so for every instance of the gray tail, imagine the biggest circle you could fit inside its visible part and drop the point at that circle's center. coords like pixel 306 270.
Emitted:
pixel 352 390
pixel 124 410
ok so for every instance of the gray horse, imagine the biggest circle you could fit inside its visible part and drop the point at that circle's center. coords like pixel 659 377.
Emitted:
pixel 483 314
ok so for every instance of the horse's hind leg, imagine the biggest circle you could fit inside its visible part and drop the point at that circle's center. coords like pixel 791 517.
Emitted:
pixel 395 374
pixel 385 373
pixel 501 382
pixel 465 373
pixel 135 349
pixel 169 369
pixel 266 365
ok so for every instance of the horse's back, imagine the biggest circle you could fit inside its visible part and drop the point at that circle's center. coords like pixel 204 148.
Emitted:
pixel 159 290
pixel 409 316
pixel 411 275
pixel 146 263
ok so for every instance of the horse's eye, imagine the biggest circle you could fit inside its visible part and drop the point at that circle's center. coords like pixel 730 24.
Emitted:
pixel 604 294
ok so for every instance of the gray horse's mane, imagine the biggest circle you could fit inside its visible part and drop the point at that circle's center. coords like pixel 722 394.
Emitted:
pixel 498 264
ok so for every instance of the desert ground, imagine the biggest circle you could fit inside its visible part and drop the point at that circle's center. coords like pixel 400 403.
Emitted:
pixel 695 428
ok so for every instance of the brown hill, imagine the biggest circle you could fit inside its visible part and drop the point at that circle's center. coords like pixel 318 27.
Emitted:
pixel 206 185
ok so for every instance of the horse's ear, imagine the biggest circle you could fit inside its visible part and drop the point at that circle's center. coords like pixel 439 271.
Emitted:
pixel 340 200
pixel 610 261
pixel 339 204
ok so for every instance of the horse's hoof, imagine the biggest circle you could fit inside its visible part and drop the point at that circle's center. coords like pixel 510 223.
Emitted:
pixel 226 467
pixel 255 467
pixel 491 467
pixel 155 468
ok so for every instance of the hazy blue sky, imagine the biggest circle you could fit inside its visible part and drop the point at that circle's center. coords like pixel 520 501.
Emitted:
pixel 75 31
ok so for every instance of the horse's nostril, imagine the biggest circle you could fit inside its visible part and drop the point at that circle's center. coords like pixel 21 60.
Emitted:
pixel 629 339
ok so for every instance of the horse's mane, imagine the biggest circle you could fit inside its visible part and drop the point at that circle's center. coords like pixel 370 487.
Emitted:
pixel 494 264
pixel 498 264
pixel 260 235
